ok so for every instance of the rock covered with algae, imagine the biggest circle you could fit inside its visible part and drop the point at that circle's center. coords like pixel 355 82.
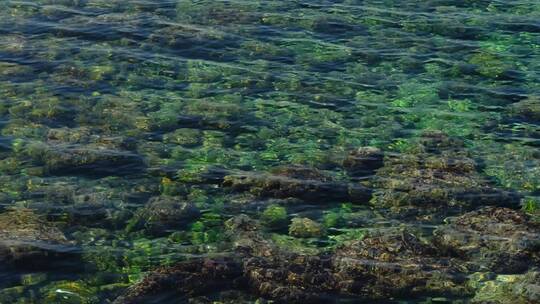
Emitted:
pixel 163 214
pixel 28 240
pixel 108 88
pixel 378 266
pixel 305 228
pixel 260 267
pixel 93 159
pixel 363 161
pixel 438 178
pixel 275 216
pixel 517 288
pixel 196 277
pixel 494 239
pixel 395 263
pixel 384 263
pixel 297 182
pixel 528 108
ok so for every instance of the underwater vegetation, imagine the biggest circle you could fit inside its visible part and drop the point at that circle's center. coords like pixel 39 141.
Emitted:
pixel 345 151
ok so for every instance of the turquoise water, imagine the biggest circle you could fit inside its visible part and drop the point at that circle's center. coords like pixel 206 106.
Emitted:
pixel 257 151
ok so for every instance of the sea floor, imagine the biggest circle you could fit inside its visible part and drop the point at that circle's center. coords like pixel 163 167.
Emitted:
pixel 172 151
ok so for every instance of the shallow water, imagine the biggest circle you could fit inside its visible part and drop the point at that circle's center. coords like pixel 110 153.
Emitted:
pixel 134 133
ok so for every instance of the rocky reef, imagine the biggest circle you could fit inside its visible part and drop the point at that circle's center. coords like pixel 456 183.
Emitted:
pixel 435 179
pixel 163 214
pixel 492 239
pixel 180 151
pixel 386 263
pixel 297 182
pixel 28 241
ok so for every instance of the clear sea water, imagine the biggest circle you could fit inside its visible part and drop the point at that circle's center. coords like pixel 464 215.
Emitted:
pixel 126 127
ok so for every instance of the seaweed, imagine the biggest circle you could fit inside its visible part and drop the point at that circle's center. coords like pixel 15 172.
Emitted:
pixel 381 144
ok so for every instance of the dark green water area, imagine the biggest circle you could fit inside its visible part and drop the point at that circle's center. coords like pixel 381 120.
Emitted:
pixel 174 151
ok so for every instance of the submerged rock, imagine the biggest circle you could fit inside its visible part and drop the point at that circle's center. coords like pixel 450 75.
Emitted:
pixel 12 70
pixel 492 239
pixel 305 228
pixel 163 214
pixel 259 266
pixel 380 266
pixel 518 289
pixel 391 264
pixel 91 160
pixel 69 135
pixel 28 241
pixel 528 108
pixel 297 182
pixel 278 274
pixel 293 278
pixel 184 136
pixel 300 172
pixel 438 179
pixel 191 278
pixel 247 237
pixel 363 162
pixel 275 216
pixel 437 142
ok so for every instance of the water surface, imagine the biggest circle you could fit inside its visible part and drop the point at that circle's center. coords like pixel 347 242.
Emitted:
pixel 133 134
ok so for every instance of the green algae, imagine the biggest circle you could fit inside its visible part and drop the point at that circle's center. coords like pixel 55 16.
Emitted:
pixel 305 228
pixel 106 105
pixel 275 216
